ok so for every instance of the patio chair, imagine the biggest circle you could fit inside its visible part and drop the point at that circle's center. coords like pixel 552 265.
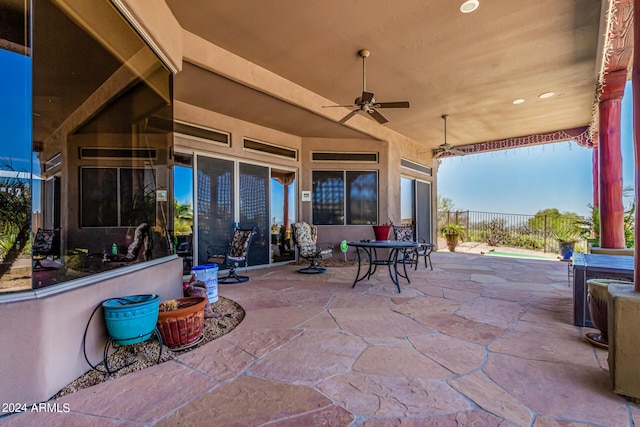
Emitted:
pixel 233 256
pixel 42 246
pixel 405 233
pixel 305 237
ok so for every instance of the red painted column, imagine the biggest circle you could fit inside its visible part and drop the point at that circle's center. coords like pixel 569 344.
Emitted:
pixel 595 173
pixel 635 76
pixel 610 161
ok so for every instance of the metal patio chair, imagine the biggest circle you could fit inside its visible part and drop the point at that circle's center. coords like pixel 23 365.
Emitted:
pixel 234 256
pixel 405 233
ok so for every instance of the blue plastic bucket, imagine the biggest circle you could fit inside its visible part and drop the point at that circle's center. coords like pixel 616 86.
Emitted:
pixel 208 274
pixel 131 319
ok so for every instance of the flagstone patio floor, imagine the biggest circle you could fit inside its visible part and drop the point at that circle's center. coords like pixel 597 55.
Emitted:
pixel 478 341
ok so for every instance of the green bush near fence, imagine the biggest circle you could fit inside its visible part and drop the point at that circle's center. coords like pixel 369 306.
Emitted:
pixel 522 231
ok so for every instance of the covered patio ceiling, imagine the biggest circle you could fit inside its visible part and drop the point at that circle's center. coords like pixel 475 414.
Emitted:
pixel 469 66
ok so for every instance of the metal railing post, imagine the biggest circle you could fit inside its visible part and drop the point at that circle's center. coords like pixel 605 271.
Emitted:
pixel 544 246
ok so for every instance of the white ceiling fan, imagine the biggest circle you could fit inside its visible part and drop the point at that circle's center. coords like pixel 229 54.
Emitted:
pixel 366 102
pixel 446 148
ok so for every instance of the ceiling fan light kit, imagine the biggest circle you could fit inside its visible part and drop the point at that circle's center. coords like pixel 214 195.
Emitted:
pixel 366 102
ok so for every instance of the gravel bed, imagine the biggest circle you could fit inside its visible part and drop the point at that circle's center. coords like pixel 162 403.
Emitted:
pixel 228 314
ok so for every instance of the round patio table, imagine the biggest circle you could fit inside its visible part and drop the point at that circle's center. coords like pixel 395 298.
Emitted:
pixel 369 247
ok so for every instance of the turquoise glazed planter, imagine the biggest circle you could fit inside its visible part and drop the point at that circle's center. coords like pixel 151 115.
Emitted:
pixel 131 319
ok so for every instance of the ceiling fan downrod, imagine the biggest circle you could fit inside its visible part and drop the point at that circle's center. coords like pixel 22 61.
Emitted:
pixel 364 54
pixel 444 117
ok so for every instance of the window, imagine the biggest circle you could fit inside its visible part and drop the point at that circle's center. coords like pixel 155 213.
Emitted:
pixel 117 197
pixel 345 197
pixel 91 140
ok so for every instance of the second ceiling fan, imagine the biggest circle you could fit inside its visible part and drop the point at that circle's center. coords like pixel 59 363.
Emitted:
pixel 366 102
pixel 446 148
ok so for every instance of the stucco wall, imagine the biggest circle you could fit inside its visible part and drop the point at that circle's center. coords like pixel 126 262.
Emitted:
pixel 42 330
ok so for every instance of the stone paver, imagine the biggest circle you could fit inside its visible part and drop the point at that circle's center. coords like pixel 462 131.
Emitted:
pixel 500 313
pixel 313 356
pixel 373 395
pixel 551 388
pixel 457 355
pixel 537 347
pixel 478 341
pixel 249 401
pixel 404 362
pixel 490 397
pixel 144 396
pixel 469 418
pixel 465 329
pixel 376 323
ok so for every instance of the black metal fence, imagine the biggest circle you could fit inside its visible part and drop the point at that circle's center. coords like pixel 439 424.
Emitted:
pixel 536 232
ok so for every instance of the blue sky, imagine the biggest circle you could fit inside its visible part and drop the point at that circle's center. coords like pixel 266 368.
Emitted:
pixel 526 180
pixel 15 85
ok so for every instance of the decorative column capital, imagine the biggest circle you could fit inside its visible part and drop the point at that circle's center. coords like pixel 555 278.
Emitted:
pixel 613 87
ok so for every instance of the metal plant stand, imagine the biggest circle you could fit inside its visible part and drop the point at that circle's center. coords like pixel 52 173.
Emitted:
pixel 112 343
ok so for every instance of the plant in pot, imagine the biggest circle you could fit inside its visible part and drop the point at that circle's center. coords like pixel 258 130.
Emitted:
pixel 566 242
pixel 452 233
pixel 382 231
pixel 181 321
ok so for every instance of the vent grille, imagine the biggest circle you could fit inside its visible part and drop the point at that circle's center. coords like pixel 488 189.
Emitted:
pixel 117 153
pixel 275 150
pixel 345 157
pixel 415 166
pixel 221 138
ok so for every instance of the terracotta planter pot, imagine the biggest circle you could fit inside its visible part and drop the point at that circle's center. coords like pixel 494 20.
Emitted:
pixel 452 241
pixel 183 327
pixel 382 231
pixel 597 299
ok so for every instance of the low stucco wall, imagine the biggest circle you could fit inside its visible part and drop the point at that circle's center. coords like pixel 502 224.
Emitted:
pixel 41 334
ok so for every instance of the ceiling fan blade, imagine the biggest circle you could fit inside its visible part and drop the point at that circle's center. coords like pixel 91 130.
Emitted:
pixel 366 97
pixel 378 117
pixel 403 104
pixel 343 106
pixel 348 116
pixel 457 152
pixel 438 154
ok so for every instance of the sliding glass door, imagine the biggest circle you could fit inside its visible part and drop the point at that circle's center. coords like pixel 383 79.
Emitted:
pixel 215 204
pixel 231 194
pixel 415 200
pixel 254 209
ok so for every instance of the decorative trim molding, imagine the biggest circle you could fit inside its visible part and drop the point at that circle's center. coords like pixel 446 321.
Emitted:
pixel 580 135
pixel 617 50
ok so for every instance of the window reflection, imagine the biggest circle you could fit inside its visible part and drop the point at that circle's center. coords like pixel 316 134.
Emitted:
pixel 283 214
pixel 335 192
pixel 183 210
pixel 89 151
pixel 17 191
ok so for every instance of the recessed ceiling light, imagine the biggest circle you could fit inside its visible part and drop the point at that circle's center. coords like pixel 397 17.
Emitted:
pixel 469 6
pixel 518 101
pixel 546 95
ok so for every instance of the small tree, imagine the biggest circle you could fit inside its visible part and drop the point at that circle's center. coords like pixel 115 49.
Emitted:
pixel 444 204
